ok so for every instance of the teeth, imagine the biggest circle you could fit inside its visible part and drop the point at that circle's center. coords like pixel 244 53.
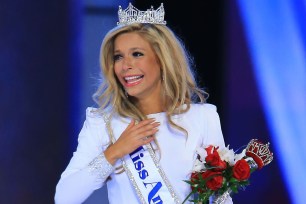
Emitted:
pixel 132 77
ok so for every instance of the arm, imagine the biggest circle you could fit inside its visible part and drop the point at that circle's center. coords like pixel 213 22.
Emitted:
pixel 92 163
pixel 88 168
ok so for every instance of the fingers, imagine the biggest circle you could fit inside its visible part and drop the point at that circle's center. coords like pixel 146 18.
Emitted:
pixel 132 123
pixel 147 140
pixel 143 122
pixel 147 128
pixel 135 135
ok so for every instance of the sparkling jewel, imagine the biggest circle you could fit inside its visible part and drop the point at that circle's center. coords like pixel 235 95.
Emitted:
pixel 259 152
pixel 133 15
pixel 100 167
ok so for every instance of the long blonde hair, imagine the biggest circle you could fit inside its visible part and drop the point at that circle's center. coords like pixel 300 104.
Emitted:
pixel 178 83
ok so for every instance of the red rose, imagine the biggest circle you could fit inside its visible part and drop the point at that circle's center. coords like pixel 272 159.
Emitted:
pixel 195 181
pixel 214 159
pixel 214 179
pixel 194 178
pixel 241 170
pixel 209 149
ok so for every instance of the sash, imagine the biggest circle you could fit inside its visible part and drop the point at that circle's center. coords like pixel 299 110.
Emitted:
pixel 145 174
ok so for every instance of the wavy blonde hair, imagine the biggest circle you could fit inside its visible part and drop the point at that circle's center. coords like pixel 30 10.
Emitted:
pixel 178 83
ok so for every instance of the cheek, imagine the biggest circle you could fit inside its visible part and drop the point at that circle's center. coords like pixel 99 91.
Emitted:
pixel 158 73
pixel 117 71
pixel 117 75
pixel 153 70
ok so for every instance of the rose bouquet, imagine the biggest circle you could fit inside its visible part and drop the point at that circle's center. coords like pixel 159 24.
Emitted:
pixel 219 172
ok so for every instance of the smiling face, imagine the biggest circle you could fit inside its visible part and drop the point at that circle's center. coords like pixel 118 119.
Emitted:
pixel 136 66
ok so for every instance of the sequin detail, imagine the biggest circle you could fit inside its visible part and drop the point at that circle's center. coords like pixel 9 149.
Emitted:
pixel 100 167
pixel 132 179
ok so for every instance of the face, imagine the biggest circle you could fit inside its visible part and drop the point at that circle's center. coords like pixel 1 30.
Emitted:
pixel 136 66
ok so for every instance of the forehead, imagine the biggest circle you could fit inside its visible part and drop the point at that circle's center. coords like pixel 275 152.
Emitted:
pixel 131 40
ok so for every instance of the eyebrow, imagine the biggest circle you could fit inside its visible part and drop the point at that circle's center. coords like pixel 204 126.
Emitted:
pixel 132 49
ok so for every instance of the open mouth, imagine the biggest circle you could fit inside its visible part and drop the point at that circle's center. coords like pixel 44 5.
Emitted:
pixel 133 80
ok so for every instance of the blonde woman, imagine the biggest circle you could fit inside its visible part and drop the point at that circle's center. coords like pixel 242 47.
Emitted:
pixel 142 139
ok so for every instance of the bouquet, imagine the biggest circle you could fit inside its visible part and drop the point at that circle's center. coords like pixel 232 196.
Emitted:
pixel 219 172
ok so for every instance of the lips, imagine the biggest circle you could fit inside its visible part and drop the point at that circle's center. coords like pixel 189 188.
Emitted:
pixel 133 80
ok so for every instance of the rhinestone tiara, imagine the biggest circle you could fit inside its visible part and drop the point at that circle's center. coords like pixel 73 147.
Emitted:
pixel 133 15
pixel 260 152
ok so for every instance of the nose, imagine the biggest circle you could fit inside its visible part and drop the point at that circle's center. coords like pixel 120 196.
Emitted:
pixel 126 64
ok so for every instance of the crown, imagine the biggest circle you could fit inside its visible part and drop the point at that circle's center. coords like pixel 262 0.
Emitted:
pixel 259 152
pixel 133 15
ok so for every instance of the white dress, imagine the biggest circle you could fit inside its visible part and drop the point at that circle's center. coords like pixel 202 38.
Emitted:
pixel 177 150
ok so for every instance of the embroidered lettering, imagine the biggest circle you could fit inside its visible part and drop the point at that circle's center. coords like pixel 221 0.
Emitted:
pixel 136 151
pixel 143 174
pixel 155 188
pixel 137 157
pixel 157 200
pixel 138 165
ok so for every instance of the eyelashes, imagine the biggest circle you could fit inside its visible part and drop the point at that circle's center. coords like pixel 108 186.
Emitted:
pixel 118 57
pixel 137 54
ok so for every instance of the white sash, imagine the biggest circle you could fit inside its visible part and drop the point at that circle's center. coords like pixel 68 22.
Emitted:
pixel 145 174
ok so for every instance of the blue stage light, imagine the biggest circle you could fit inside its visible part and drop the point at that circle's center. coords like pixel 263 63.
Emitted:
pixel 276 39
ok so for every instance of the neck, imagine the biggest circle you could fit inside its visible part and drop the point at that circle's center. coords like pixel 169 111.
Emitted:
pixel 150 105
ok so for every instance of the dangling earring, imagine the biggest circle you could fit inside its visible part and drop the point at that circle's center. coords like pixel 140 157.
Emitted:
pixel 126 93
pixel 162 76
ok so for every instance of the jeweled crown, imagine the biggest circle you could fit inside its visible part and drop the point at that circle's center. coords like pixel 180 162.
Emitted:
pixel 133 15
pixel 259 152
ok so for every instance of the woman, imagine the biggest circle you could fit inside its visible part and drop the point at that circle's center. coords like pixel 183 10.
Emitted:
pixel 141 140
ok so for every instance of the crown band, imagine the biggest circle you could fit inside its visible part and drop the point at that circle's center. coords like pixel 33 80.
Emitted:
pixel 133 15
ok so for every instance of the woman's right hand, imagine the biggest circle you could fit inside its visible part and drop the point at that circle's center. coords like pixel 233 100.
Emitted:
pixel 134 136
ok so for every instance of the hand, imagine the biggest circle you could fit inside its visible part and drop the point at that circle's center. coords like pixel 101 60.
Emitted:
pixel 134 136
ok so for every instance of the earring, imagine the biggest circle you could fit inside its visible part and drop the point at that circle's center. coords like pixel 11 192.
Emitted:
pixel 162 75
pixel 126 93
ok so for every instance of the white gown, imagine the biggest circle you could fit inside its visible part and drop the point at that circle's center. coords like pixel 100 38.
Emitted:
pixel 177 150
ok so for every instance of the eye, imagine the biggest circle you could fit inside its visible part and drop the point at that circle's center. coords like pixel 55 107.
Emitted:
pixel 117 57
pixel 137 54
